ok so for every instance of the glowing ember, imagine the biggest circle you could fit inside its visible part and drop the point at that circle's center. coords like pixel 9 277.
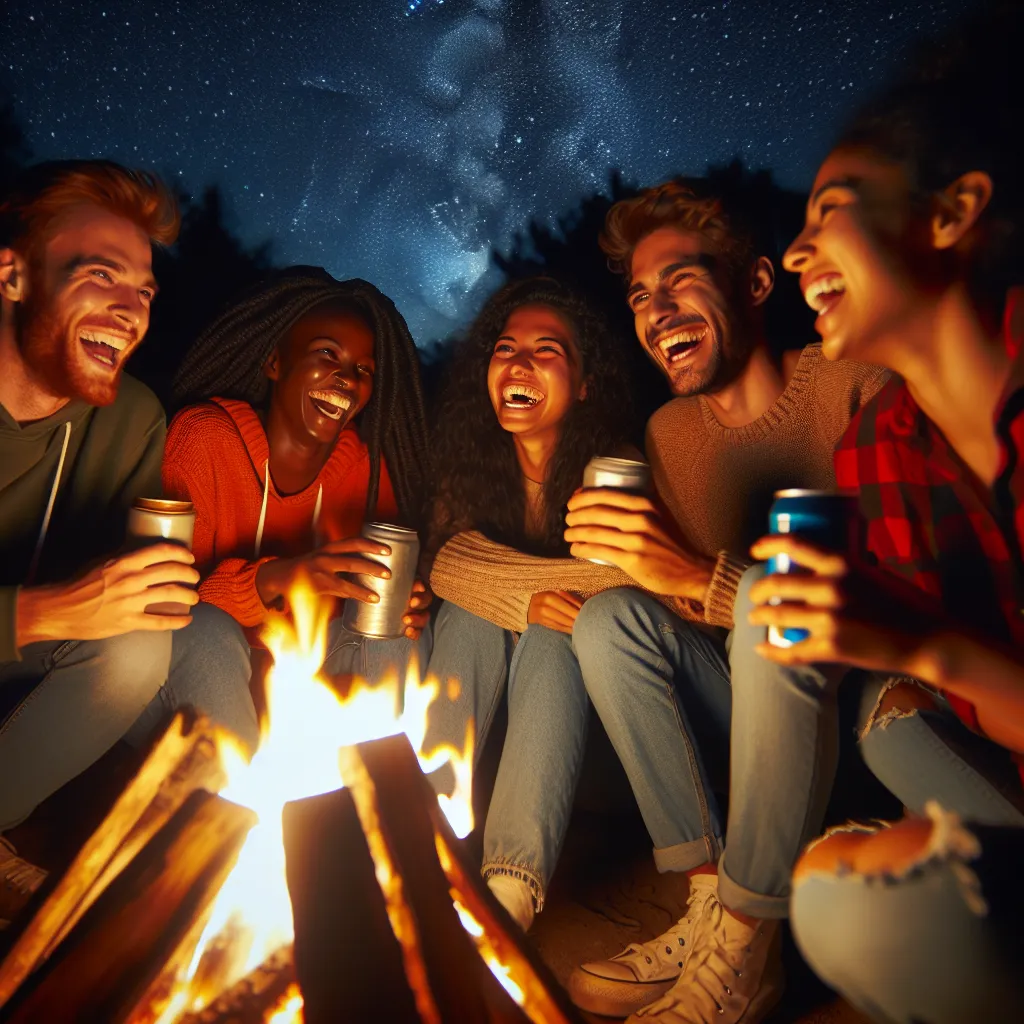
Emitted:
pixel 305 728
pixel 290 1012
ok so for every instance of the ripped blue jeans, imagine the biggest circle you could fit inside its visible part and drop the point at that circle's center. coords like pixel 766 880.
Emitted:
pixel 936 942
pixel 785 734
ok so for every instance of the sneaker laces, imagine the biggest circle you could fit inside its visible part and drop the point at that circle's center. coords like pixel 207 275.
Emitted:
pixel 668 948
pixel 717 965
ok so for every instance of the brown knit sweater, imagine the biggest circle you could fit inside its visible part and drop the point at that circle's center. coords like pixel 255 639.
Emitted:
pixel 717 482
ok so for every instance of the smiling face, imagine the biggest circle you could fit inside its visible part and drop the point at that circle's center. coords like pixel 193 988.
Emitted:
pixel 863 256
pixel 323 372
pixel 534 377
pixel 682 310
pixel 87 305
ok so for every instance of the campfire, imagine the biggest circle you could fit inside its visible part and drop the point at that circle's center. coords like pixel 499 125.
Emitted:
pixel 322 881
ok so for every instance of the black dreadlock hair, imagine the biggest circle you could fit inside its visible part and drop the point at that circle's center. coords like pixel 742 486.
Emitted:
pixel 480 484
pixel 228 358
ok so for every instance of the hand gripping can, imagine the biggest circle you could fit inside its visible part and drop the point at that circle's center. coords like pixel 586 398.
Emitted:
pixel 154 519
pixel 828 519
pixel 622 474
pixel 384 619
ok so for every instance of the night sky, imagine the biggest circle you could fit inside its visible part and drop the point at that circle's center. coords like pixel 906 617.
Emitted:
pixel 401 140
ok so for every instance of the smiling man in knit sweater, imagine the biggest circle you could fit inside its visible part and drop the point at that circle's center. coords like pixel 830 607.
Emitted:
pixel 741 426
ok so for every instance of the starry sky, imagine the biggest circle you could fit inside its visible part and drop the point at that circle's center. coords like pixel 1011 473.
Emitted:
pixel 403 140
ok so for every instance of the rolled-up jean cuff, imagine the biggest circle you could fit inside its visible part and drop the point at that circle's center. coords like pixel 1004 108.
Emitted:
pixel 523 873
pixel 684 856
pixel 746 901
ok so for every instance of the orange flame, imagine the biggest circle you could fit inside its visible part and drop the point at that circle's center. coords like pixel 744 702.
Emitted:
pixel 305 729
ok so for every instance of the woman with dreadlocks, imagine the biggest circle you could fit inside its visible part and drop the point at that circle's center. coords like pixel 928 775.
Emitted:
pixel 309 419
pixel 535 391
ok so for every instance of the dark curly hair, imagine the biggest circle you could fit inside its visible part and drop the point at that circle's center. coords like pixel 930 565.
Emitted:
pixel 228 358
pixel 480 484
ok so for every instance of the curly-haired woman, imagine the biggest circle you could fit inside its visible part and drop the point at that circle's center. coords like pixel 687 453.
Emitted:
pixel 535 391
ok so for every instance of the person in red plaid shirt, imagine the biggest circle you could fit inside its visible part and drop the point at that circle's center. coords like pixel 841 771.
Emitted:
pixel 911 256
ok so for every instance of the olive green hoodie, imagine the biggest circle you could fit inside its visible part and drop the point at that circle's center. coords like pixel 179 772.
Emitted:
pixel 66 485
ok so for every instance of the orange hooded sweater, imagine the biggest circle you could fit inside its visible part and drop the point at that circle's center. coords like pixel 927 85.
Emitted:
pixel 217 457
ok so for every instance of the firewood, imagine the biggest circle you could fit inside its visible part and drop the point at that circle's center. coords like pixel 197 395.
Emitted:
pixel 462 985
pixel 544 998
pixel 347 959
pixel 112 956
pixel 249 1000
pixel 183 760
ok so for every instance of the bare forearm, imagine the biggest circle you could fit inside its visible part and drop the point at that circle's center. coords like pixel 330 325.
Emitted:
pixel 34 618
pixel 991 677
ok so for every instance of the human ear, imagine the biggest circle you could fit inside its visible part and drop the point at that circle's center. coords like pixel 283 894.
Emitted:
pixel 12 276
pixel 583 391
pixel 960 205
pixel 272 367
pixel 762 280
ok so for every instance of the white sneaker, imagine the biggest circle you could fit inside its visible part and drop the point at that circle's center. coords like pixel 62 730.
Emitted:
pixel 641 973
pixel 732 976
pixel 515 896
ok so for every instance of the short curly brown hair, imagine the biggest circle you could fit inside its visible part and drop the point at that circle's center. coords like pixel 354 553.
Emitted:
pixel 676 204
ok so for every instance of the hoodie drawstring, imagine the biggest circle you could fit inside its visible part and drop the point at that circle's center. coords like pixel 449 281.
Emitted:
pixel 34 564
pixel 263 510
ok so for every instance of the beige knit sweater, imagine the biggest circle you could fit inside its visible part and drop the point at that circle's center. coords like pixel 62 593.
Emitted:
pixel 717 482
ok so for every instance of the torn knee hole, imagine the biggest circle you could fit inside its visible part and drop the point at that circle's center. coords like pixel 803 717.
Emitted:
pixel 901 698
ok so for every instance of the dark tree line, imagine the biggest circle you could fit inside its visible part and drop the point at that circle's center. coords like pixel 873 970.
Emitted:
pixel 209 264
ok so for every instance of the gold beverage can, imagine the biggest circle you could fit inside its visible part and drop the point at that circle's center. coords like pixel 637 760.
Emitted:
pixel 155 519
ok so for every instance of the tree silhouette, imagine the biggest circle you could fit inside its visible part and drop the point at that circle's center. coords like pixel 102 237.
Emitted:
pixel 570 251
pixel 197 276
pixel 14 151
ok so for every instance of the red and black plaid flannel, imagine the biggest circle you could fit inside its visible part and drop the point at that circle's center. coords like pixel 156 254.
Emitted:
pixel 927 518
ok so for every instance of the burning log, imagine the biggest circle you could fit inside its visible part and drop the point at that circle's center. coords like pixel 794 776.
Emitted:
pixel 347 960
pixel 183 760
pixel 111 958
pixel 389 921
pixel 518 986
pixel 249 1000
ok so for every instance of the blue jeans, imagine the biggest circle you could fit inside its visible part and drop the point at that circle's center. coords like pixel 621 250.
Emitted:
pixel 550 677
pixel 784 749
pixel 373 659
pixel 938 942
pixel 67 702
pixel 547 725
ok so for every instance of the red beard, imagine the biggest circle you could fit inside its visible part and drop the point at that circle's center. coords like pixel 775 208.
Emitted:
pixel 52 353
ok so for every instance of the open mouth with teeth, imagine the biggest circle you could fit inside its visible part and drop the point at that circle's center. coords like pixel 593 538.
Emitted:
pixel 681 343
pixel 104 347
pixel 824 293
pixel 332 404
pixel 521 396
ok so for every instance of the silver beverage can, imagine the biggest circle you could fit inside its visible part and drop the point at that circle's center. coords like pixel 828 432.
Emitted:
pixel 622 474
pixel 384 619
pixel 154 519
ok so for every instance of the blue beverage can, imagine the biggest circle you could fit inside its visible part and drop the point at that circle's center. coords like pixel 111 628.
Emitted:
pixel 827 519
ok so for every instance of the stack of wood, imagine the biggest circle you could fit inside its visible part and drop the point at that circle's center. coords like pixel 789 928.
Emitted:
pixel 373 870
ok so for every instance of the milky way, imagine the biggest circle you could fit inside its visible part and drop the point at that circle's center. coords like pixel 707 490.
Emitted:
pixel 404 140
